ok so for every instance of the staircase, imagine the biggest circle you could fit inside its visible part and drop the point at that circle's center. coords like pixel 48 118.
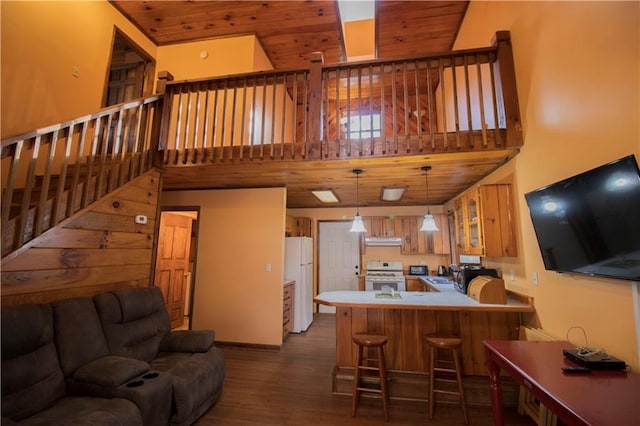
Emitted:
pixel 53 173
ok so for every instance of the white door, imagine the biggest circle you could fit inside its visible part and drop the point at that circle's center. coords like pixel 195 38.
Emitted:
pixel 338 259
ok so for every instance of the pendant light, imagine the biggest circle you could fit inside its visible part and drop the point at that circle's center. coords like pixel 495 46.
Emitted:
pixel 358 224
pixel 428 223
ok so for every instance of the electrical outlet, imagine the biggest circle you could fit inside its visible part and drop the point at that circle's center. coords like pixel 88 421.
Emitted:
pixel 534 278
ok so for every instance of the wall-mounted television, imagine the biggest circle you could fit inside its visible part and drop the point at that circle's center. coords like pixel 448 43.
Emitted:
pixel 590 223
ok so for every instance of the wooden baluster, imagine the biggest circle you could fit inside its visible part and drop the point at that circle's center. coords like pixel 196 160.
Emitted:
pixel 223 134
pixel 469 111
pixel 176 144
pixel 44 188
pixel 315 104
pixel 371 111
pixel 348 112
pixel 205 125
pixel 406 108
pixel 115 151
pixel 383 111
pixel 431 106
pixel 359 112
pixel 325 116
pixel 305 116
pixel 232 137
pixel 185 152
pixel 444 103
pixel 494 99
pixel 198 150
pixel 273 118
pixel 416 82
pixel 103 159
pixel 26 197
pixel 214 129
pixel 75 181
pixel 338 116
pixel 284 115
pixel 138 136
pixel 11 178
pixel 483 124
pixel 454 99
pixel 394 102
pixel 295 115
pixel 243 120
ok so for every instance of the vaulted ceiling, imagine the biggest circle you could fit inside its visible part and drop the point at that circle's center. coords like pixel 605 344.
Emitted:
pixel 289 32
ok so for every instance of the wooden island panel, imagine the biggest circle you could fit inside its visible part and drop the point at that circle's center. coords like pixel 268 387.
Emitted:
pixel 405 350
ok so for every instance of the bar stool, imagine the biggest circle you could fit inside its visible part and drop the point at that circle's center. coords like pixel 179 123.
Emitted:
pixel 451 343
pixel 373 341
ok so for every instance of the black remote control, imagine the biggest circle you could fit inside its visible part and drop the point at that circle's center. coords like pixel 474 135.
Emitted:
pixel 575 370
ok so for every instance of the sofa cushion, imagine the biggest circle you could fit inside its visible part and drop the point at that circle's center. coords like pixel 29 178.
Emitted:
pixel 188 341
pixel 196 378
pixel 128 333
pixel 110 371
pixel 32 378
pixel 78 333
pixel 79 410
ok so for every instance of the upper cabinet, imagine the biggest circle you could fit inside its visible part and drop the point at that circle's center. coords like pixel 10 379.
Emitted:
pixel 407 228
pixel 382 226
pixel 484 222
pixel 298 227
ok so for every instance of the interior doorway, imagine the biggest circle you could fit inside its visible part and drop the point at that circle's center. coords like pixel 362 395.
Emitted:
pixel 175 264
pixel 131 71
pixel 338 259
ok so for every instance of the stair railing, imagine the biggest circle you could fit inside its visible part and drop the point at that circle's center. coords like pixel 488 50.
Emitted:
pixel 51 173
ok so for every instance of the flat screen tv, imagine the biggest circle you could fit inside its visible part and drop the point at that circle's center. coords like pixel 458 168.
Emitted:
pixel 590 223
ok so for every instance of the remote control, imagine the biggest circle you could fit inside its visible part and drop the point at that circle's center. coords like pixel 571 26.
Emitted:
pixel 575 370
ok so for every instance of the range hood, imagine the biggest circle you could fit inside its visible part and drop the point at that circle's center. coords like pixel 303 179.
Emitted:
pixel 382 241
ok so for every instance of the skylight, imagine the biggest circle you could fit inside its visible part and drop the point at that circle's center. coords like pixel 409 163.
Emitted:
pixel 358 28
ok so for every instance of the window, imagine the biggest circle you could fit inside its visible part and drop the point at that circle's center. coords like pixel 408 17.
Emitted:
pixel 362 126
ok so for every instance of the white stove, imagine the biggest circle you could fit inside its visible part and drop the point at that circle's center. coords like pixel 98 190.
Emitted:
pixel 381 274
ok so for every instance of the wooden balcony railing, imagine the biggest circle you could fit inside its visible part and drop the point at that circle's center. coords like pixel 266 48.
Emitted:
pixel 460 101
pixel 51 173
pixel 456 102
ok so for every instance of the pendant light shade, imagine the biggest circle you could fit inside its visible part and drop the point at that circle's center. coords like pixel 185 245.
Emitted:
pixel 428 223
pixel 358 224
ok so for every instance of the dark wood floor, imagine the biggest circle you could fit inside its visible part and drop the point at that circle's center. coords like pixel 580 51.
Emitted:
pixel 292 386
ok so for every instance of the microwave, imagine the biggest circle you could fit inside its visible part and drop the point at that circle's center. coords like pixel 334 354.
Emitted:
pixel 418 270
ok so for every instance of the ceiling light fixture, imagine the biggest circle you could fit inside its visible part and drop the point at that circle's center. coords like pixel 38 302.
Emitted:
pixel 358 224
pixel 390 193
pixel 325 195
pixel 429 223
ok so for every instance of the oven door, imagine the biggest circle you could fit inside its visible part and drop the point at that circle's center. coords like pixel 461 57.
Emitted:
pixel 375 284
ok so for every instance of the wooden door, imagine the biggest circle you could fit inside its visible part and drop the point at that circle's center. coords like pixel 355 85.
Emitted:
pixel 172 263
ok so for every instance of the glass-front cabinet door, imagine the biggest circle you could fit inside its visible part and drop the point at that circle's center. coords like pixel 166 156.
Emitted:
pixel 460 232
pixel 472 201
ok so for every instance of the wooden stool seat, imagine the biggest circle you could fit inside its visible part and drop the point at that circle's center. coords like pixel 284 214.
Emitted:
pixel 453 344
pixel 377 342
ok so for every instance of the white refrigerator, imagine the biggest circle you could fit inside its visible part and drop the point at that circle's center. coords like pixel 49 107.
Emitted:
pixel 298 266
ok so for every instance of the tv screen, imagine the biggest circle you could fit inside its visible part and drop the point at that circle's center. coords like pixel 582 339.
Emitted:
pixel 590 223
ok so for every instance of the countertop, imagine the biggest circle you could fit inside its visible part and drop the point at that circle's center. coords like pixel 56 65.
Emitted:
pixel 445 297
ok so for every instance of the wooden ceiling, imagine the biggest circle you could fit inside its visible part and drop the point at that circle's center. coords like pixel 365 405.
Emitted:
pixel 289 32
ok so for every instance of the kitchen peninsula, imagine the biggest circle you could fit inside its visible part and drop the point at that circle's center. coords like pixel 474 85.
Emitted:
pixel 405 318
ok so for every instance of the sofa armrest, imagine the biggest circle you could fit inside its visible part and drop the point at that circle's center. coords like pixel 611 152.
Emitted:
pixel 110 371
pixel 188 341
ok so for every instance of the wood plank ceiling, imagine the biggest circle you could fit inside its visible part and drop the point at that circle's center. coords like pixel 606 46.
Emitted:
pixel 289 31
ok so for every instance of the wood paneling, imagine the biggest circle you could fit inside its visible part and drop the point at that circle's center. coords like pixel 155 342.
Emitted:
pixel 98 249
pixel 406 329
pixel 290 31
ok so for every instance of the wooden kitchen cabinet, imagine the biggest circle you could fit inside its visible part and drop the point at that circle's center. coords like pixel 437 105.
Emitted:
pixel 415 241
pixel 381 226
pixel 484 222
pixel 287 308
pixel 415 284
pixel 298 227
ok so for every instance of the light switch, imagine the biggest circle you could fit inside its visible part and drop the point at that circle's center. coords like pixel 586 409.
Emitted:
pixel 267 267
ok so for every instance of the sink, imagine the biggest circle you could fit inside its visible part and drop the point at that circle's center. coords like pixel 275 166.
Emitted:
pixel 439 280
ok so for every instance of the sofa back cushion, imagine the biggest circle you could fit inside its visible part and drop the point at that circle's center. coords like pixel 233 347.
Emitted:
pixel 78 333
pixel 134 321
pixel 32 378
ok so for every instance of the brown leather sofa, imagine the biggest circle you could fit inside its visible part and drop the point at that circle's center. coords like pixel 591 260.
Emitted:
pixel 108 360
